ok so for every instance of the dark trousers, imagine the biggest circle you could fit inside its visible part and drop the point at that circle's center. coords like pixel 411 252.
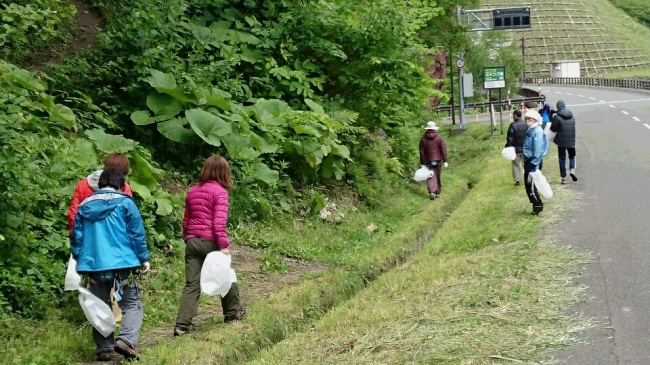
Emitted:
pixel 561 154
pixel 196 249
pixel 433 183
pixel 533 195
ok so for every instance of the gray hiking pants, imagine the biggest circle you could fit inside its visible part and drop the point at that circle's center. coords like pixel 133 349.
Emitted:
pixel 130 305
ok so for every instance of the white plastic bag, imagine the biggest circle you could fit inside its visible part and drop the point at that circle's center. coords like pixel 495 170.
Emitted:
pixel 509 153
pixel 542 184
pixel 215 274
pixel 72 279
pixel 550 135
pixel 422 174
pixel 98 313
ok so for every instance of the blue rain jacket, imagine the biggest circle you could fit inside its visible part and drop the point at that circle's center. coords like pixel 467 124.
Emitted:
pixel 108 233
pixel 535 145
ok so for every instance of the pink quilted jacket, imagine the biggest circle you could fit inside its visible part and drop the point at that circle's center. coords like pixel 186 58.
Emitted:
pixel 206 213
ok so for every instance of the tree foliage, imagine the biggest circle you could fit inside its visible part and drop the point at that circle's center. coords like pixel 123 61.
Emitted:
pixel 41 160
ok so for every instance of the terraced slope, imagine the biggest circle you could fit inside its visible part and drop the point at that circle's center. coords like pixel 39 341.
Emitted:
pixel 601 36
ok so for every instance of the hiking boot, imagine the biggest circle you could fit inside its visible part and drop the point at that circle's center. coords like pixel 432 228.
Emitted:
pixel 517 183
pixel 563 182
pixel 181 329
pixel 537 209
pixel 104 355
pixel 241 313
pixel 432 196
pixel 573 176
pixel 125 350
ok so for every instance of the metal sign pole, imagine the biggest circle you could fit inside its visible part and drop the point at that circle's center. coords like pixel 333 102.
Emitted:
pixel 461 96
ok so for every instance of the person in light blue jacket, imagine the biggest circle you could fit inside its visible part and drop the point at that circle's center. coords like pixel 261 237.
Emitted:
pixel 535 148
pixel 108 242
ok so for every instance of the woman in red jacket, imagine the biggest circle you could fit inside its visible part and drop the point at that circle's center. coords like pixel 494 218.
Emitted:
pixel 433 154
pixel 204 231
pixel 88 185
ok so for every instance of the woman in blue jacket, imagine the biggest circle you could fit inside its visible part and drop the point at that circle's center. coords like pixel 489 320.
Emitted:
pixel 108 242
pixel 535 148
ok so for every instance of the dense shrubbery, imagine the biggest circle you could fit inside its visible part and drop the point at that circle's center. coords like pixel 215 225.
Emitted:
pixel 41 160
pixel 637 9
pixel 30 25
pixel 294 93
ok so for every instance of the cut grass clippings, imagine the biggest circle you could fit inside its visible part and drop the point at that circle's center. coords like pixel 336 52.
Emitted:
pixel 482 291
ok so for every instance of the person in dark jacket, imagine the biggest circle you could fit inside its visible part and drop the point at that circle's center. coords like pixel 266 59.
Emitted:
pixel 515 138
pixel 433 155
pixel 108 242
pixel 564 125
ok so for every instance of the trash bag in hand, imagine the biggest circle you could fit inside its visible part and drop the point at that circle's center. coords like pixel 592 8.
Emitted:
pixel 509 153
pixel 98 313
pixel 216 277
pixel 422 174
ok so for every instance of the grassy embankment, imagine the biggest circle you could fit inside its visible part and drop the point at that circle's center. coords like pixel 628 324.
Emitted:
pixel 481 286
pixel 484 290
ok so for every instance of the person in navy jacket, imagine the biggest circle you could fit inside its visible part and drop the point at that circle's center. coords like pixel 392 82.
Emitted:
pixel 108 242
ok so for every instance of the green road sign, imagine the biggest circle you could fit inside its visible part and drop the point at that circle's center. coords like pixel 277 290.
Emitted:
pixel 494 77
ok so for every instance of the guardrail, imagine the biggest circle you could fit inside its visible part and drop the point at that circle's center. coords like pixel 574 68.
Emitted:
pixel 626 84
pixel 579 81
pixel 514 102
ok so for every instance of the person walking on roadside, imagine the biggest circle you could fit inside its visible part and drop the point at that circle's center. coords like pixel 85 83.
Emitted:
pixel 204 231
pixel 515 138
pixel 433 155
pixel 535 147
pixel 108 242
pixel 88 185
pixel 546 113
pixel 564 125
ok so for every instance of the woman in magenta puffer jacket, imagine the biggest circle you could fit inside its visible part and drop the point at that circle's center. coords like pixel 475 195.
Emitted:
pixel 204 231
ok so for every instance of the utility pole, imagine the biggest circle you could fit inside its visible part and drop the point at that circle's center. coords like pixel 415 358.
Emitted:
pixel 451 75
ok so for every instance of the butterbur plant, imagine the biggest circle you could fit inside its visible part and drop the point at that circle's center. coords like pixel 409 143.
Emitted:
pixel 269 130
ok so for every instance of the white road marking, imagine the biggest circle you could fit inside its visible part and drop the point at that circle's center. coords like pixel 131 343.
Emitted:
pixel 646 125
pixel 558 92
pixel 581 96
pixel 611 102
pixel 602 101
pixel 612 106
pixel 569 94
pixel 624 112
pixel 637 119
pixel 592 98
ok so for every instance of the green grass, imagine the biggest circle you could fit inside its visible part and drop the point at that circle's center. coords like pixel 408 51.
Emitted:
pixel 482 291
pixel 357 257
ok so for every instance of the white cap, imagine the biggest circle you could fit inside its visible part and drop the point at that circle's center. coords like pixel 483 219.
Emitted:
pixel 530 113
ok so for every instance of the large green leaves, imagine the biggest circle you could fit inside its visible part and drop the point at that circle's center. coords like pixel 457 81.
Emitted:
pixel 207 126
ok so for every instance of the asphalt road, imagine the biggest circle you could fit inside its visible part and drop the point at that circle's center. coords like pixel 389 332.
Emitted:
pixel 610 220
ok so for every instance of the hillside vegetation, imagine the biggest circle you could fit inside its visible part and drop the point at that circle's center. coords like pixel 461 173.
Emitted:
pixel 589 31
